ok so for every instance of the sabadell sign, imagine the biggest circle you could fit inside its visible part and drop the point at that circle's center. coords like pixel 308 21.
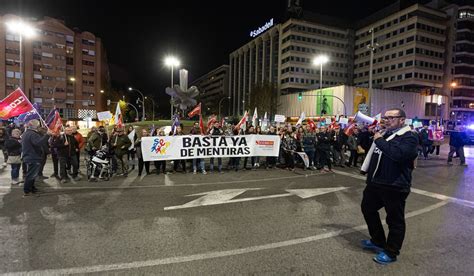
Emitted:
pixel 262 29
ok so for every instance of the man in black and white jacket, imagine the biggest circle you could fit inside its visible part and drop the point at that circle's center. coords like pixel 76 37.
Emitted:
pixel 389 165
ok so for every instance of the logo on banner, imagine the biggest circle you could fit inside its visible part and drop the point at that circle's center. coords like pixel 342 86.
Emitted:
pixel 265 143
pixel 160 146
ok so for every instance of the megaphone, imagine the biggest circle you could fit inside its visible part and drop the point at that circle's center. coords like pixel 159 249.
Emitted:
pixel 360 117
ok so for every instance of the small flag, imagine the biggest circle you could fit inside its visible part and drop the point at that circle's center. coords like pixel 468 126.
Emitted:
pixel 118 116
pixel 311 123
pixel 201 124
pixel 210 121
pixel 350 129
pixel 242 121
pixel 195 111
pixel 175 124
pixel 254 117
pixel 131 136
pixel 301 119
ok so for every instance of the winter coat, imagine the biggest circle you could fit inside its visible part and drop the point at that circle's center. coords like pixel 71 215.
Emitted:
pixel 13 146
pixel 289 143
pixel 33 146
pixel 94 142
pixel 63 150
pixel 352 142
pixel 121 144
pixel 324 141
pixel 308 142
pixel 457 139
pixel 394 169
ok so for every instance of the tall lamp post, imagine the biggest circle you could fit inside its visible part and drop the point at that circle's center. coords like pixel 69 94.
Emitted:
pixel 23 30
pixel 372 48
pixel 153 107
pixel 220 102
pixel 143 100
pixel 319 61
pixel 451 105
pixel 172 62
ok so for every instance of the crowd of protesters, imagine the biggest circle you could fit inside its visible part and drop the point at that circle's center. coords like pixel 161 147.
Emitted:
pixel 26 148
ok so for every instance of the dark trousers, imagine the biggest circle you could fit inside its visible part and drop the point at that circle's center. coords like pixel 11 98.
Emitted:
pixel 393 201
pixel 55 164
pixel 310 154
pixel 32 170
pixel 433 148
pixel 271 161
pixel 160 165
pixel 289 159
pixel 15 173
pixel 176 164
pixel 142 164
pixel 252 161
pixel 459 151
pixel 43 162
pixel 63 164
pixel 426 150
pixel 324 158
pixel 353 158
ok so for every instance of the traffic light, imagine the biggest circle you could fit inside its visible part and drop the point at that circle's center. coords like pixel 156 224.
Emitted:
pixel 300 96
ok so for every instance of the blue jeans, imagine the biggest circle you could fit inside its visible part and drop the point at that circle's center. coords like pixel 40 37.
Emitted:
pixel 15 171
pixel 31 173
pixel 310 154
pixel 219 163
pixel 201 164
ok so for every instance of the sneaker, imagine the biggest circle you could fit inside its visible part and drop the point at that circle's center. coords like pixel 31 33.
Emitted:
pixel 221 171
pixel 77 178
pixel 450 163
pixel 384 259
pixel 369 245
pixel 204 172
pixel 194 172
pixel 463 164
pixel 63 181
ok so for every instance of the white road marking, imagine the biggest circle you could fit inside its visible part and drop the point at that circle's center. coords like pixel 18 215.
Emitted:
pixel 464 202
pixel 212 255
pixel 226 196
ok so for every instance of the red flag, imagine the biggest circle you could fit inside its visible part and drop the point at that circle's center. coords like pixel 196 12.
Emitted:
pixel 350 129
pixel 311 123
pixel 222 121
pixel 201 124
pixel 15 104
pixel 56 124
pixel 210 121
pixel 242 121
pixel 195 111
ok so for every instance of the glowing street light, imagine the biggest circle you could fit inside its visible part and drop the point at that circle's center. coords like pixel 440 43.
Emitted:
pixel 320 60
pixel 172 62
pixel 454 84
pixel 23 30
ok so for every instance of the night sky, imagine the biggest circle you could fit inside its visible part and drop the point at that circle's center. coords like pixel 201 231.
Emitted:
pixel 138 35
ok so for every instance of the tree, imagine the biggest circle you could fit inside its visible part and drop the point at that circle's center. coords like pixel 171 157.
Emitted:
pixel 265 97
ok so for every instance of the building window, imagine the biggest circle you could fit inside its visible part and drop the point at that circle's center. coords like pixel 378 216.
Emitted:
pixel 45 54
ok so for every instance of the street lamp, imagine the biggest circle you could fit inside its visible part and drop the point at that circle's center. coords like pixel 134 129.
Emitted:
pixel 153 107
pixel 143 100
pixel 320 60
pixel 453 85
pixel 220 102
pixel 172 62
pixel 23 30
pixel 102 91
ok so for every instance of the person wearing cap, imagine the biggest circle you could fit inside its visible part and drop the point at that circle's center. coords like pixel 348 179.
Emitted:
pixel 32 143
pixel 120 144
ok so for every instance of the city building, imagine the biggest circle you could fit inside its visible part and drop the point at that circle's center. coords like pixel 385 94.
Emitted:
pixel 283 55
pixel 416 48
pixel 214 91
pixel 410 48
pixel 460 61
pixel 60 67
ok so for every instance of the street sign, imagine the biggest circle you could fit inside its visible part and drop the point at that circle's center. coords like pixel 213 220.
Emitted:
pixel 226 196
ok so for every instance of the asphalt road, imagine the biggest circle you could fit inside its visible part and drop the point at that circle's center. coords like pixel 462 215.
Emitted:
pixel 272 222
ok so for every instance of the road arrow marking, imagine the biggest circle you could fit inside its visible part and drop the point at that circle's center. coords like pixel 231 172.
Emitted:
pixel 226 196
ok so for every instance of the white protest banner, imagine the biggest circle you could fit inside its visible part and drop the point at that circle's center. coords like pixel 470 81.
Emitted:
pixel 131 137
pixel 344 121
pixel 408 122
pixel 280 118
pixel 304 157
pixel 190 147
pixel 104 115
pixel 328 121
pixel 417 124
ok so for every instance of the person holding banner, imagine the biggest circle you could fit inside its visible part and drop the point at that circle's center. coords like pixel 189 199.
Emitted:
pixel 176 163
pixel 216 131
pixel 250 131
pixel 138 147
pixel 308 145
pixel 32 154
pixel 388 165
pixel 289 148
pixel 160 165
pixel 271 160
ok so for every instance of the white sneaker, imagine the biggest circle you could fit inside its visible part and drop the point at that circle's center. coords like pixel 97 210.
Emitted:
pixel 204 172
pixel 194 172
